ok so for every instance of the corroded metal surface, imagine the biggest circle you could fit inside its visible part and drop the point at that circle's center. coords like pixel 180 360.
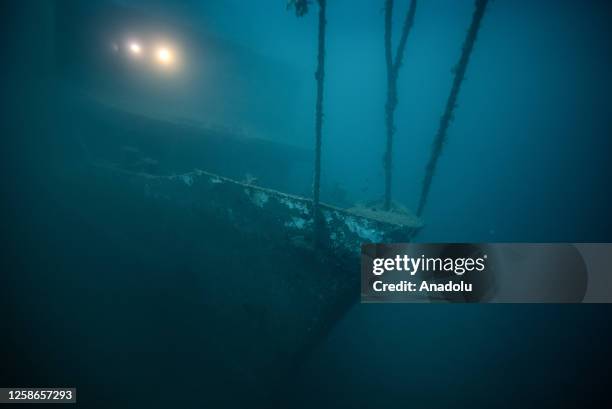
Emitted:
pixel 249 207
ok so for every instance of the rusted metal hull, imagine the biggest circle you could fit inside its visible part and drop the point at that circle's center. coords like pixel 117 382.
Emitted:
pixel 249 207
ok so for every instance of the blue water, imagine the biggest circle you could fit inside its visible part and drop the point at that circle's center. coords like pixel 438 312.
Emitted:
pixel 526 159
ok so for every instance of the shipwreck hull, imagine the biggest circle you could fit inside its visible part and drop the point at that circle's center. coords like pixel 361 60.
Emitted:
pixel 256 210
pixel 259 297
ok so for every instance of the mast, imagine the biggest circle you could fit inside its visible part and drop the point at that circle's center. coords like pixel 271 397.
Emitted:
pixel 319 75
pixel 393 66
pixel 451 103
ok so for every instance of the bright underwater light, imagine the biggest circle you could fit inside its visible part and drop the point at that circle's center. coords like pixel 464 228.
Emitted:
pixel 164 56
pixel 152 53
pixel 135 48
